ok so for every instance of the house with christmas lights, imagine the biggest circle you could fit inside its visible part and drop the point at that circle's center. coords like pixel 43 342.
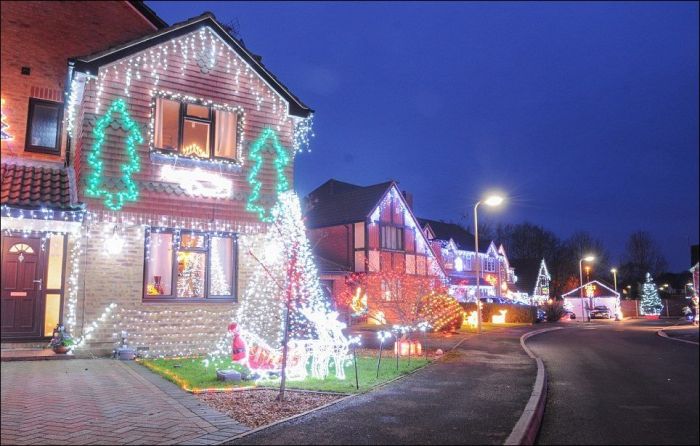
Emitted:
pixel 533 279
pixel 454 247
pixel 361 232
pixel 137 178
pixel 583 299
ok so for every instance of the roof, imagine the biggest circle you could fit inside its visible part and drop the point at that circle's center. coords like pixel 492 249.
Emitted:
pixel 601 290
pixel 92 63
pixel 149 14
pixel 35 187
pixel 446 231
pixel 336 203
pixel 527 271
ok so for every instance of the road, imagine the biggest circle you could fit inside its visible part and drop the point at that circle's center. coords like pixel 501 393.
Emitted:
pixel 474 396
pixel 618 383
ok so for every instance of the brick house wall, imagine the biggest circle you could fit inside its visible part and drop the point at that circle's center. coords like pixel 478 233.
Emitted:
pixel 29 40
pixel 220 85
pixel 165 328
pixel 170 328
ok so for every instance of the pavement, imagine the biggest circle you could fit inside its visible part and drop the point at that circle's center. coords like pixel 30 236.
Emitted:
pixel 687 332
pixel 618 383
pixel 102 401
pixel 474 396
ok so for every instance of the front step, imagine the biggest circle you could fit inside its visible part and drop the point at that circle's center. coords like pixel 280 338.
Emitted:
pixel 33 355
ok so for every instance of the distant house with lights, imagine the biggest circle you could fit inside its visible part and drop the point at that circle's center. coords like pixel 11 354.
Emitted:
pixel 455 250
pixel 364 230
pixel 533 279
pixel 135 173
pixel 583 299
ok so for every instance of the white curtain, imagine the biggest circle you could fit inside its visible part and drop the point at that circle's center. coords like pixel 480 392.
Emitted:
pixel 226 124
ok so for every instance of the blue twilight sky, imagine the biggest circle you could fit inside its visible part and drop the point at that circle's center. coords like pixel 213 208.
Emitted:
pixel 585 114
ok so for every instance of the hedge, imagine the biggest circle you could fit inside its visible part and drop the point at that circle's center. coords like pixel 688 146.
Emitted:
pixel 516 313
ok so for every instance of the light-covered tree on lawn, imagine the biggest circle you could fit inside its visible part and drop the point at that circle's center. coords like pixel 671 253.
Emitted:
pixel 651 302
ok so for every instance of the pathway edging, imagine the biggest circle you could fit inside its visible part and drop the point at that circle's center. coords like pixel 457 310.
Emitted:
pixel 525 430
pixel 664 335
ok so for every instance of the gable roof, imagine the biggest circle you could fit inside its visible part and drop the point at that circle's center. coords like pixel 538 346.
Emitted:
pixel 527 271
pixel 610 292
pixel 91 63
pixel 452 231
pixel 336 203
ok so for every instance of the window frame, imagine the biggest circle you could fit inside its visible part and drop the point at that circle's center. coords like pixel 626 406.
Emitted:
pixel 208 297
pixel 28 146
pixel 183 116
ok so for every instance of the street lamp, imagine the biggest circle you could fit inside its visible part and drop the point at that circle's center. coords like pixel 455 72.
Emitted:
pixel 614 273
pixel 493 200
pixel 580 278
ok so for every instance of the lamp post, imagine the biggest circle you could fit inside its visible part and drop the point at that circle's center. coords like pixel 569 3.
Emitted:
pixel 580 278
pixel 614 273
pixel 493 200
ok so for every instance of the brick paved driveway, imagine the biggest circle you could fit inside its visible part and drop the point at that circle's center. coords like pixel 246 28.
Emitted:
pixel 102 401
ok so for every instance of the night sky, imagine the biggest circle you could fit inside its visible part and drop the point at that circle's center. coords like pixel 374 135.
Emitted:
pixel 584 114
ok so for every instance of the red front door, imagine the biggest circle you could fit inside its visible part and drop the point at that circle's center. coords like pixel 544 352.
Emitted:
pixel 22 274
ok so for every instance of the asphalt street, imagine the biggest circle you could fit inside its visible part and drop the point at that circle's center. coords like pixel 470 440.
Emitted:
pixel 618 383
pixel 474 396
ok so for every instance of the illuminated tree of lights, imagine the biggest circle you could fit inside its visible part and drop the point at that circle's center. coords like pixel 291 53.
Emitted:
pixel 219 283
pixel 651 302
pixel 4 125
pixel 190 283
pixel 287 273
pixel 95 181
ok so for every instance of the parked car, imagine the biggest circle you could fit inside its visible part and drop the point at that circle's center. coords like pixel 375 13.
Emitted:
pixel 568 316
pixel 601 311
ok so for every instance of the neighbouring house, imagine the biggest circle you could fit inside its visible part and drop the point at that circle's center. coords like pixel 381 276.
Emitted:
pixel 533 279
pixel 141 191
pixel 454 247
pixel 361 233
pixel 583 299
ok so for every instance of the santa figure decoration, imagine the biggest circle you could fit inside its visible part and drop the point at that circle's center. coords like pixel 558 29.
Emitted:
pixel 238 347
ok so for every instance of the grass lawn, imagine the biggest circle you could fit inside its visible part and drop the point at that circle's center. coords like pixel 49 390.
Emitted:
pixel 192 375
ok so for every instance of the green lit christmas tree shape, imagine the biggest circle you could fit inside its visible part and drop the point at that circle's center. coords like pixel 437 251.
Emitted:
pixel 281 161
pixel 95 182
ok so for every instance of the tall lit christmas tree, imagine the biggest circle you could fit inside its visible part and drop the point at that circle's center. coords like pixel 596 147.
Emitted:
pixel 190 282
pixel 284 270
pixel 220 285
pixel 651 302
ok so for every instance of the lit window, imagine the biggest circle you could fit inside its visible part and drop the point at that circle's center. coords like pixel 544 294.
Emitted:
pixel 193 130
pixel 167 124
pixel 43 128
pixel 199 266
pixel 459 264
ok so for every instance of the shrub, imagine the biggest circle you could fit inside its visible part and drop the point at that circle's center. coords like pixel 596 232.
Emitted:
pixel 515 314
pixel 554 311
pixel 441 311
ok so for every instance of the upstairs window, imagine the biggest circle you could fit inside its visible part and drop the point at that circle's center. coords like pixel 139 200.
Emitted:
pixel 44 126
pixel 197 131
pixel 392 238
pixel 491 264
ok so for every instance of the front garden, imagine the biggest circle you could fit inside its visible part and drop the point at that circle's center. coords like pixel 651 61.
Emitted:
pixel 192 374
